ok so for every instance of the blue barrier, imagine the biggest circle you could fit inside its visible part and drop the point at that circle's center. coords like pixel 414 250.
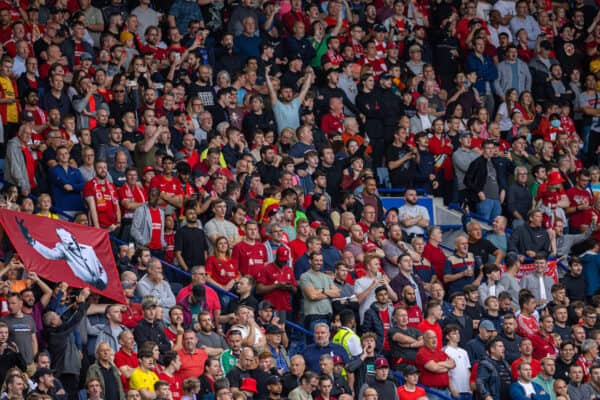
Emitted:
pixel 400 381
pixel 179 270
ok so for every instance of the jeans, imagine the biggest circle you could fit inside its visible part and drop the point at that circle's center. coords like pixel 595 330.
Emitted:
pixel 444 394
pixel 464 396
pixel 489 209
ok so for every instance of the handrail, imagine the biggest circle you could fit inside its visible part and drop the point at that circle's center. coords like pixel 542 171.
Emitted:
pixel 400 381
pixel 182 272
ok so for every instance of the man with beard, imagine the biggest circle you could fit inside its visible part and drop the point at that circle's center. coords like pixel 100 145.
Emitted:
pixel 102 199
pixel 31 306
pixel 404 340
pixel 511 340
pixel 458 317
pixel 574 281
pixel 274 388
pixel 493 374
pixel 191 246
pixel 391 106
pixel 277 282
pixel 413 218
pixel 226 58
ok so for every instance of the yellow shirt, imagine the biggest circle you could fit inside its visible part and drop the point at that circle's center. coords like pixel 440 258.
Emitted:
pixel 50 215
pixel 142 380
pixel 12 112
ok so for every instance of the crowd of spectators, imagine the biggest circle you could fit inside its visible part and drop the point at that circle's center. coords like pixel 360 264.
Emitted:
pixel 249 143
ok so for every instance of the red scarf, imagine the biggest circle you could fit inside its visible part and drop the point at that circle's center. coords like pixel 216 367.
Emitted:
pixel 29 165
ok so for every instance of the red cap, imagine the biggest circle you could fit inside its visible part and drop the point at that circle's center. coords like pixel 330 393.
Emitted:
pixel 283 253
pixel 337 360
pixel 369 247
pixel 381 363
pixel 148 169
pixel 249 385
pixel 315 224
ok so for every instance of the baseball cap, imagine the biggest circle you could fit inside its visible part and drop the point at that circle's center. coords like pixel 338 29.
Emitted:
pixel 86 56
pixel 379 28
pixel 369 247
pixel 337 359
pixel 148 169
pixel 381 363
pixel 283 254
pixel 410 370
pixel 385 75
pixel 265 305
pixel 487 325
pixel 273 329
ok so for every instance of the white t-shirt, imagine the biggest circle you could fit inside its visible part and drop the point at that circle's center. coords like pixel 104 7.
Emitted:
pixel 411 211
pixel 459 376
pixel 529 390
pixel 360 285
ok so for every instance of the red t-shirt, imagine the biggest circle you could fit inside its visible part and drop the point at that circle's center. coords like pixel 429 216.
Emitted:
pixel 437 258
pixel 131 360
pixel 249 258
pixel 155 243
pixel 106 199
pixel 426 326
pixel 404 394
pixel 222 271
pixel 428 378
pixel 298 248
pixel 577 197
pixel 271 274
pixel 192 365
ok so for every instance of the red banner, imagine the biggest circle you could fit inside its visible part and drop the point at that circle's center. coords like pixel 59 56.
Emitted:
pixel 63 251
pixel 526 269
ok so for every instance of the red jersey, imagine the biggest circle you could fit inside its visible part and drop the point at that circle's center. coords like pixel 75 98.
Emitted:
pixel 170 249
pixel 332 124
pixel 249 258
pixel 221 271
pixel 415 316
pixel 527 326
pixel 579 197
pixel 378 64
pixel 135 194
pixel 106 198
pixel 543 346
pixel 132 315
pixel 175 384
pixel 157 227
pixel 272 274
pixel 167 185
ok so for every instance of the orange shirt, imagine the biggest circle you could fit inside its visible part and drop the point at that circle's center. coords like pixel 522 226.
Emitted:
pixel 192 365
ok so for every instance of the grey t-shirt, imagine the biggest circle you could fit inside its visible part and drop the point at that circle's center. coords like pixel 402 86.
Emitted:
pixel 491 189
pixel 317 280
pixel 21 331
pixel 213 340
pixel 593 100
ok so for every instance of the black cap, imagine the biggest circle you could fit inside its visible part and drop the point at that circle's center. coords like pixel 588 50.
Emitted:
pixel 546 45
pixel 410 370
pixel 273 329
pixel 379 28
pixel 385 75
pixel 27 115
pixel 199 173
pixel 295 57
pixel 265 304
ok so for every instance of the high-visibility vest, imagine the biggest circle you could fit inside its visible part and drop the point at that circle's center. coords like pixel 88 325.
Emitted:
pixel 342 337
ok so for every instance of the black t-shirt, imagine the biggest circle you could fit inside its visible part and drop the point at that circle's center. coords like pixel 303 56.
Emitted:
pixel 403 352
pixel 192 243
pixel 111 391
pixel 402 175
pixel 505 378
pixel 483 249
